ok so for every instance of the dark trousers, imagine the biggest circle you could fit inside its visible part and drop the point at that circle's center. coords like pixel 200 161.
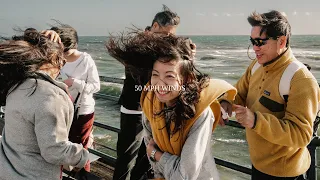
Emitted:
pixel 80 132
pixel 132 160
pixel 257 175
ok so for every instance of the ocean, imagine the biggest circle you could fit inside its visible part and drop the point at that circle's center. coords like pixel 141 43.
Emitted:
pixel 223 57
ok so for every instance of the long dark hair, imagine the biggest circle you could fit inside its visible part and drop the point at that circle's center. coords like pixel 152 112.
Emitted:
pixel 22 56
pixel 68 35
pixel 140 50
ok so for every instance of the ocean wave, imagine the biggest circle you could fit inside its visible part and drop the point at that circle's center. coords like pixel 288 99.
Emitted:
pixel 222 51
pixel 308 57
pixel 314 57
pixel 315 68
pixel 113 89
pixel 94 42
pixel 230 140
pixel 208 58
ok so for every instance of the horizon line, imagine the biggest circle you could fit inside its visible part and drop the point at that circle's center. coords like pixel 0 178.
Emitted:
pixel 208 35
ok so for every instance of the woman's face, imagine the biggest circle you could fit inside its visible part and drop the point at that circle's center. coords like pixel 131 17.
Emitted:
pixel 166 81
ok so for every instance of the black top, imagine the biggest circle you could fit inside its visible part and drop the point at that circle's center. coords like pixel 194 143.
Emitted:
pixel 131 91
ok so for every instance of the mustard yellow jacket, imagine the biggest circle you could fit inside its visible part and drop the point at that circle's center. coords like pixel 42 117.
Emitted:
pixel 277 142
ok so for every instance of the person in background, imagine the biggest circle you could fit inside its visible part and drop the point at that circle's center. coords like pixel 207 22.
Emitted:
pixel 278 130
pixel 38 113
pixel 80 74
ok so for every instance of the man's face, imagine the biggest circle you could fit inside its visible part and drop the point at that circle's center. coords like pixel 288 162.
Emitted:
pixel 156 28
pixel 268 50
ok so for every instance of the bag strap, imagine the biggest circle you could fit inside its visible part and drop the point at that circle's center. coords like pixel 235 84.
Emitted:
pixel 255 67
pixel 287 75
pixel 76 100
pixel 284 84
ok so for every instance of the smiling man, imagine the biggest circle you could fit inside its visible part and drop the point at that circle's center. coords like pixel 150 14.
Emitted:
pixel 278 128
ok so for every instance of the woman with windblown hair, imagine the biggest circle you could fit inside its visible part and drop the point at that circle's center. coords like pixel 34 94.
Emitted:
pixel 38 112
pixel 179 104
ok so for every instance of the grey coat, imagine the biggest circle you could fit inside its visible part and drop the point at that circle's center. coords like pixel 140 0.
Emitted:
pixel 196 161
pixel 35 137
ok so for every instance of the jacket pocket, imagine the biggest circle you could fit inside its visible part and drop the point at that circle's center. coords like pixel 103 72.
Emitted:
pixel 271 104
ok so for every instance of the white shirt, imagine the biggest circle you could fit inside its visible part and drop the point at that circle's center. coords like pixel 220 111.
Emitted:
pixel 86 81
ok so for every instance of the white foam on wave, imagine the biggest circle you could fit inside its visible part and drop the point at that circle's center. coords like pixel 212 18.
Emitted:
pixel 304 52
pixel 225 73
pixel 222 51
pixel 230 140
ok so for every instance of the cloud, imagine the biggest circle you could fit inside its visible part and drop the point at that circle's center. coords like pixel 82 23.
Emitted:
pixel 239 14
pixel 215 14
pixel 201 14
pixel 226 14
pixel 308 13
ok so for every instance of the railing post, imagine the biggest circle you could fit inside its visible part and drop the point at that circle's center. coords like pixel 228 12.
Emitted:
pixel 312 172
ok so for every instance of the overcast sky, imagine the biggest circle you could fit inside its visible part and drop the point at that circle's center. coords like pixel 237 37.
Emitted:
pixel 201 17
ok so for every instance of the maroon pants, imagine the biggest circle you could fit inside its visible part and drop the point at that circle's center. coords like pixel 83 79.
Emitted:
pixel 80 132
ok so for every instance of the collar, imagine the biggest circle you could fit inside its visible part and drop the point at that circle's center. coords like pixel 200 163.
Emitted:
pixel 45 76
pixel 279 61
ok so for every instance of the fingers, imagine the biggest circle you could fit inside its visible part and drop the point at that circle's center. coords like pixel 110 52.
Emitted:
pixel 55 39
pixel 223 113
pixel 52 35
pixel 239 118
pixel 59 40
pixel 46 33
pixel 151 142
pixel 227 107
pixel 229 110
pixel 221 122
pixel 239 109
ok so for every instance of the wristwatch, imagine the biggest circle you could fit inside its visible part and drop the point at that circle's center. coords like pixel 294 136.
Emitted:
pixel 153 153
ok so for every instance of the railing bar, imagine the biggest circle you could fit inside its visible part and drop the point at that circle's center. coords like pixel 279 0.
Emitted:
pixel 104 146
pixel 234 124
pixel 104 126
pixel 233 166
pixel 108 159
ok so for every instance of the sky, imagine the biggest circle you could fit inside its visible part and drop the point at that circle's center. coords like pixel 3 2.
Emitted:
pixel 201 17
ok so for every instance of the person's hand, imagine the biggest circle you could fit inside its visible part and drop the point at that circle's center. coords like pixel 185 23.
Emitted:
pixel 150 147
pixel 244 116
pixel 227 107
pixel 69 81
pixel 52 35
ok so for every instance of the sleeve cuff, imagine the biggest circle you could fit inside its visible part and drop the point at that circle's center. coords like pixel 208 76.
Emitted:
pixel 163 161
pixel 84 159
pixel 255 121
pixel 77 83
pixel 224 99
